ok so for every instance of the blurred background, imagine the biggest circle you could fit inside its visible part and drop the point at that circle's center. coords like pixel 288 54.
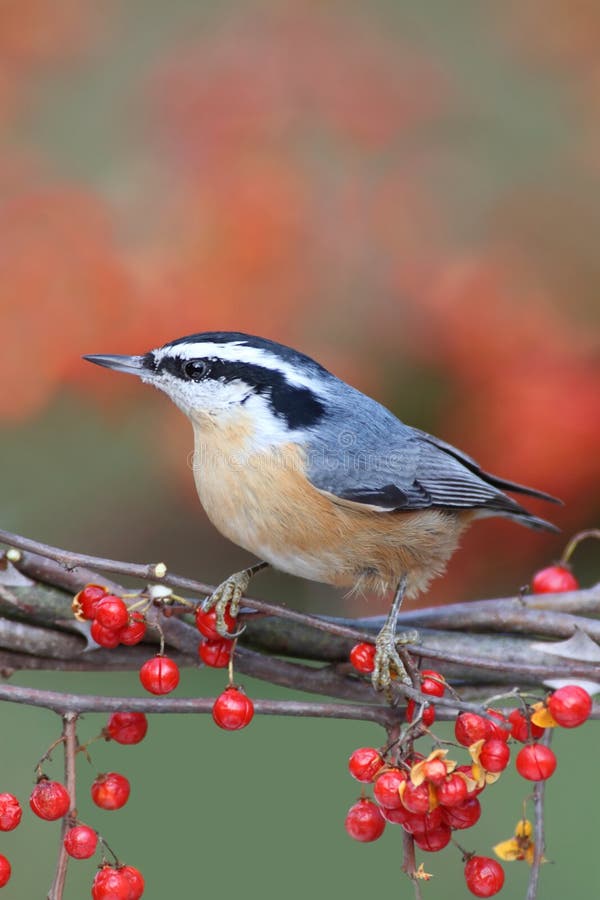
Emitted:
pixel 409 193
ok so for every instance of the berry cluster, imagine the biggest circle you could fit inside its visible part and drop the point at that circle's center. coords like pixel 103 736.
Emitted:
pixel 50 800
pixel 114 623
pixel 433 796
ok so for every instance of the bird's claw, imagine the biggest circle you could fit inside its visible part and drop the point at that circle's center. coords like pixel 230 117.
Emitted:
pixel 226 598
pixel 388 664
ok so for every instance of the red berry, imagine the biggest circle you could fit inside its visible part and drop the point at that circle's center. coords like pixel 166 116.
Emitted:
pixel 494 755
pixel 535 762
pixel 106 637
pixel 49 800
pixel 86 601
pixel 136 881
pixel 420 823
pixel 364 821
pixel 365 763
pixel 134 631
pixel 570 706
pixel 111 884
pixel 416 798
pixel 10 812
pixel 387 786
pixel 435 840
pixel 522 729
pixel 554 580
pixel 428 717
pixel 463 816
pixel 435 688
pixel 399 816
pixel 484 876
pixel 206 623
pixel 469 728
pixel 110 791
pixel 232 709
pixel 159 675
pixel 5 871
pixel 127 727
pixel 362 657
pixel 81 842
pixel 435 771
pixel 452 791
pixel 499 729
pixel 215 653
pixel 112 613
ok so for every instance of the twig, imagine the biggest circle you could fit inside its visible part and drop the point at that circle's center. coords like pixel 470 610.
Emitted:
pixel 71 560
pixel 502 616
pixel 539 835
pixel 69 737
pixel 82 703
pixel 409 864
pixel 564 669
pixel 148 573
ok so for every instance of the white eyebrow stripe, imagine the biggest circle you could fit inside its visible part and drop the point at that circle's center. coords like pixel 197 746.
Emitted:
pixel 236 351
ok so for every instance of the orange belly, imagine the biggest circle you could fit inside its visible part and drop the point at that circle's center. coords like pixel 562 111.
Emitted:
pixel 263 502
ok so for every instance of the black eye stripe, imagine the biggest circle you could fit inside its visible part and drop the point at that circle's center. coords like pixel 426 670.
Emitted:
pixel 299 406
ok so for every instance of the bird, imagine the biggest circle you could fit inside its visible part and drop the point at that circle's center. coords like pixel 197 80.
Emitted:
pixel 317 479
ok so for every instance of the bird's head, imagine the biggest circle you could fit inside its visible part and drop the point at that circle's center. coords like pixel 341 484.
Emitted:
pixel 215 375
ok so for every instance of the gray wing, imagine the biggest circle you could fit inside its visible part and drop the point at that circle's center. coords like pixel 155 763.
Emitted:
pixel 371 457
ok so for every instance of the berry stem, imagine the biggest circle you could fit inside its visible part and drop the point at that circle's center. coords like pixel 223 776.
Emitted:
pixel 69 738
pixel 575 541
pixel 105 846
pixel 230 664
pixel 466 854
pixel 161 635
pixel 142 604
pixel 47 756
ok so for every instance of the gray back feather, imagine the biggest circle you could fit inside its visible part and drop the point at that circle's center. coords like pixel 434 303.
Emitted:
pixel 363 453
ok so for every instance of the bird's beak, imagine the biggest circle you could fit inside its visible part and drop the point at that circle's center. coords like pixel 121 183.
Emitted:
pixel 133 365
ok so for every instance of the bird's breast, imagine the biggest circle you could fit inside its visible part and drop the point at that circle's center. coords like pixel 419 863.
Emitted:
pixel 262 500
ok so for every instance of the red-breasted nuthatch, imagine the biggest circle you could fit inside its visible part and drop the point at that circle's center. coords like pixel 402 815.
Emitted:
pixel 314 477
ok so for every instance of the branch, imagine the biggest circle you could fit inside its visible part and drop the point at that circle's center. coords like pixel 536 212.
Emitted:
pixel 539 836
pixel 157 573
pixel 65 704
pixel 69 734
pixel 409 863
pixel 470 660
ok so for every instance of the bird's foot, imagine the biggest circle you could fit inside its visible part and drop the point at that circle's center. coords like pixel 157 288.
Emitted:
pixel 226 599
pixel 388 664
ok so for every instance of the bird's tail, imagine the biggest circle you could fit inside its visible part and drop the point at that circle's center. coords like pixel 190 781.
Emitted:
pixel 501 505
